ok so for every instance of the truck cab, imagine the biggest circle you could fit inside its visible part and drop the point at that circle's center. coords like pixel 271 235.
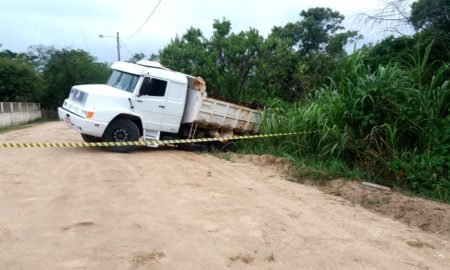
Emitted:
pixel 146 96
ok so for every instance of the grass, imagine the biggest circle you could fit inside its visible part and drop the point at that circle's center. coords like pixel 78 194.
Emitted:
pixel 307 166
pixel 222 155
pixel 381 126
pixel 370 203
pixel 325 169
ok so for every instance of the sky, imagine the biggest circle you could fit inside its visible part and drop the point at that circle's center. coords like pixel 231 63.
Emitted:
pixel 78 23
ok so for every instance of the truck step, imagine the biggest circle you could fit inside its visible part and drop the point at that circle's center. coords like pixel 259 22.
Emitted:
pixel 151 135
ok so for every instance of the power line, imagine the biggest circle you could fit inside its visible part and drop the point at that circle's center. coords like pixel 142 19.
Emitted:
pixel 146 20
pixel 125 46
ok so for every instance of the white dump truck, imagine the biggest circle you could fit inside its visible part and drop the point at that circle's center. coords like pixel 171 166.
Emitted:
pixel 146 100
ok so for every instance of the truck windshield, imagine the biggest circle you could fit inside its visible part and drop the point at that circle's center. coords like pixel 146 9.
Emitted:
pixel 122 80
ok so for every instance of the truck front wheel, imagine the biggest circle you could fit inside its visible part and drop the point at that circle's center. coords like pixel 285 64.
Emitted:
pixel 121 130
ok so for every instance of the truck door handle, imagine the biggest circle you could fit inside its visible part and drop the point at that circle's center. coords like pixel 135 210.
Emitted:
pixel 161 106
pixel 138 100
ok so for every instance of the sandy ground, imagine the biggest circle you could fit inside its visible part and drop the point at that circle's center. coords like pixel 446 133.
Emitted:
pixel 169 209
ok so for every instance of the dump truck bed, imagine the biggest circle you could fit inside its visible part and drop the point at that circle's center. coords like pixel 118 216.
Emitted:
pixel 213 113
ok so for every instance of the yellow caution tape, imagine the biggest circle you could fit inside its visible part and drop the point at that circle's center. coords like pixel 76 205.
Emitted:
pixel 140 143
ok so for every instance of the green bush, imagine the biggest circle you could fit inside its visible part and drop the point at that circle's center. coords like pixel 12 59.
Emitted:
pixel 383 122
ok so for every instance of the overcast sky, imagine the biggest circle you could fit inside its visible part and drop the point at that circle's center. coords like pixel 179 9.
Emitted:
pixel 78 23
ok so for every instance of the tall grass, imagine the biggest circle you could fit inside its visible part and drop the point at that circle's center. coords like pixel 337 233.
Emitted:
pixel 387 123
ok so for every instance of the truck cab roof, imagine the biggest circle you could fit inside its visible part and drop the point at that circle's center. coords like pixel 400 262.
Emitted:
pixel 152 69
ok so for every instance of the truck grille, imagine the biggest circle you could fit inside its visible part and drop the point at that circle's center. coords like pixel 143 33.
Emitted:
pixel 78 96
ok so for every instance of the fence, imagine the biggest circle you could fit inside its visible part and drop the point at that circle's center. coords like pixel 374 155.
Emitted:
pixel 16 113
pixel 11 107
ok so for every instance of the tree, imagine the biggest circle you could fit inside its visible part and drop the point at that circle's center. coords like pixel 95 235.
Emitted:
pixel 310 48
pixel 154 57
pixel 187 54
pixel 39 55
pixel 18 81
pixel 317 29
pixel 227 61
pixel 294 58
pixel 433 18
pixel 391 50
pixel 431 21
pixel 69 67
pixel 278 67
pixel 393 17
pixel 235 57
pixel 136 57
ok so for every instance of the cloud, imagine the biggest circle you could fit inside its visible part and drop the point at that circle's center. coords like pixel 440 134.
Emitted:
pixel 78 23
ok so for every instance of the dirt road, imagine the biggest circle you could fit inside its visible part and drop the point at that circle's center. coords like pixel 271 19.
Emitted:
pixel 167 209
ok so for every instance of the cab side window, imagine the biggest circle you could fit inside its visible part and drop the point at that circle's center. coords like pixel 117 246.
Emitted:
pixel 153 87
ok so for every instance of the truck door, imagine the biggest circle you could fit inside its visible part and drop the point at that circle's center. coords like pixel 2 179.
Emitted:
pixel 175 100
pixel 151 102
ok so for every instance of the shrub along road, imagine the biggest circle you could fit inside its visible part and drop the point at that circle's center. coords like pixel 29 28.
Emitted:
pixel 168 209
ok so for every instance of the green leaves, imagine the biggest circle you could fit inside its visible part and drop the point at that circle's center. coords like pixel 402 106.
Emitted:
pixel 18 80
pixel 291 61
pixel 66 68
pixel 377 121
pixel 136 57
pixel 431 15
pixel 227 61
pixel 45 74
pixel 318 30
pixel 186 54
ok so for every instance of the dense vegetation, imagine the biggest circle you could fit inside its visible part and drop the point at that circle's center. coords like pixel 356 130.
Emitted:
pixel 291 61
pixel 45 74
pixel 384 123
pixel 380 113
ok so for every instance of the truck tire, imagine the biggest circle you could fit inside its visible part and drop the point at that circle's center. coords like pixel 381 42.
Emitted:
pixel 89 138
pixel 121 130
pixel 193 147
pixel 221 147
pixel 228 147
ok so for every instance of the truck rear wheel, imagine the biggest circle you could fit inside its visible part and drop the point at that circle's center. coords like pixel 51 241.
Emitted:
pixel 121 130
pixel 193 147
pixel 222 147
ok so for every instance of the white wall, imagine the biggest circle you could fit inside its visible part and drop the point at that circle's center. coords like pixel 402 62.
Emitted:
pixel 17 118
pixel 15 114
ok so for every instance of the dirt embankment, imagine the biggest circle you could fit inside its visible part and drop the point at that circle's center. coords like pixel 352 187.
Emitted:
pixel 84 208
pixel 427 215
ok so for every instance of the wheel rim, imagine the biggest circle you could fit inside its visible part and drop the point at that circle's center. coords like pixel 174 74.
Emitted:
pixel 120 135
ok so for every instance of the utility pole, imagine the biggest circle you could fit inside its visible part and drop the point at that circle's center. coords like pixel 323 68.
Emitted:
pixel 118 46
pixel 117 37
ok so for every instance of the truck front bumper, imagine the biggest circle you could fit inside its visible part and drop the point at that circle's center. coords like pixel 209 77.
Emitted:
pixel 81 124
